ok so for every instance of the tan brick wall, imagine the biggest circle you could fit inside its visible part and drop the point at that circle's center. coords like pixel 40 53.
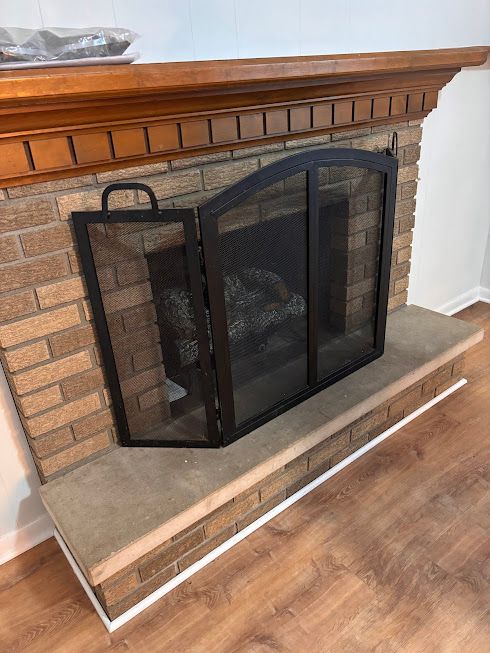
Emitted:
pixel 47 342
pixel 136 581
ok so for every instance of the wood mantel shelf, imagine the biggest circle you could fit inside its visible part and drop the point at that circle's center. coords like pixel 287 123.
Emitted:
pixel 68 121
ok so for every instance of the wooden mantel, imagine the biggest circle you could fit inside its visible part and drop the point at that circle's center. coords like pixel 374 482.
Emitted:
pixel 63 122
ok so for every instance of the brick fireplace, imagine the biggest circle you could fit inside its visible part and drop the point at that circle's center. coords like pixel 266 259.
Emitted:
pixel 49 343
pixel 58 153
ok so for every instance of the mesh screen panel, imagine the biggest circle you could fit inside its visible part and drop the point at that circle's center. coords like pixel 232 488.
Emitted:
pixel 143 278
pixel 315 232
pixel 263 248
pixel 350 214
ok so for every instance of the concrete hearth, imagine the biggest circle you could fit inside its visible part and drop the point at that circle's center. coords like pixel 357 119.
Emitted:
pixel 118 508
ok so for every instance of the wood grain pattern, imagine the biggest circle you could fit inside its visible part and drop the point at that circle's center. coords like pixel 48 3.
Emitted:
pixel 398 105
pixel 195 133
pixel 224 129
pixel 91 148
pixel 128 142
pixel 389 555
pixel 381 107
pixel 322 115
pixel 194 107
pixel 362 109
pixel 342 113
pixel 51 153
pixel 13 159
pixel 108 81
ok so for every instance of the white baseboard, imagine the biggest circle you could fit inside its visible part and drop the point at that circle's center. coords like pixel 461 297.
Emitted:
pixel 17 542
pixel 460 302
pixel 485 294
pixel 468 298
pixel 238 537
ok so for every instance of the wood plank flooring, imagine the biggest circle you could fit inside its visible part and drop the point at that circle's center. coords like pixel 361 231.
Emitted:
pixel 392 554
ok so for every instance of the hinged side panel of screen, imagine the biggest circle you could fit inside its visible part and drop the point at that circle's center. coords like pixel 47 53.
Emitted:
pixel 157 356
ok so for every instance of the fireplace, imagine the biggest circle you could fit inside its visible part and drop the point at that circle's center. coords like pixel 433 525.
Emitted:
pixel 278 291
pixel 261 277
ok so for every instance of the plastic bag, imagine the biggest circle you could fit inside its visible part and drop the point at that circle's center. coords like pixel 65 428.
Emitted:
pixel 62 44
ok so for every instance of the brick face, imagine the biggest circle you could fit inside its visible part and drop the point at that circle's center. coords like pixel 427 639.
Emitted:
pixel 22 357
pixel 25 274
pixel 64 343
pixel 229 513
pixel 21 215
pixel 49 186
pixel 47 240
pixel 174 184
pixel 282 479
pixel 55 441
pixel 61 293
pixel 118 591
pixel 40 271
pixel 228 173
pixel 38 326
pixel 206 547
pixel 90 201
pixel 40 376
pixel 328 448
pixel 131 173
pixel 9 249
pixel 80 384
pixel 65 415
pixel 74 454
pixel 17 305
pixel 39 401
pixel 92 424
pixel 171 553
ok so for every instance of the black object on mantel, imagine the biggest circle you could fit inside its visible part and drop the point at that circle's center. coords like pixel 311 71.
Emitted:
pixel 209 330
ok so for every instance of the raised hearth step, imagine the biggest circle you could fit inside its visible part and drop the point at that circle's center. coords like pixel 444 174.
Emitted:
pixel 115 509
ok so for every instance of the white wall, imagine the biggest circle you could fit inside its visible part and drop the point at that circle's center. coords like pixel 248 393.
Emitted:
pixel 23 520
pixel 485 273
pixel 452 203
pixel 453 198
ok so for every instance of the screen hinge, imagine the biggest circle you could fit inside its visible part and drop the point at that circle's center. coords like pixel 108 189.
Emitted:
pixel 392 150
pixel 218 418
pixel 201 258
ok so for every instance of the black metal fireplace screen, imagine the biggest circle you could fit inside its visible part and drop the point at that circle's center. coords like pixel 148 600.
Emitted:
pixel 209 328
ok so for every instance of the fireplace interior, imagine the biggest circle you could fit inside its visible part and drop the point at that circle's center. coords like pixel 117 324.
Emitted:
pixel 279 289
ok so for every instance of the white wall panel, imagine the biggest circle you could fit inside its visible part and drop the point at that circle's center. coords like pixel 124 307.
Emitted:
pixel 164 26
pixel 20 13
pixel 19 501
pixel 268 28
pixel 86 13
pixel 324 27
pixel 485 274
pixel 214 29
pixel 453 201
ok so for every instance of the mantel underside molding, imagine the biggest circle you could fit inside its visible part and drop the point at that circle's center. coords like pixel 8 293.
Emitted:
pixel 65 122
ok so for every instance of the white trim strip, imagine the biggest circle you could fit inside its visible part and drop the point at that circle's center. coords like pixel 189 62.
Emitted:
pixel 238 537
pixel 83 581
pixel 468 298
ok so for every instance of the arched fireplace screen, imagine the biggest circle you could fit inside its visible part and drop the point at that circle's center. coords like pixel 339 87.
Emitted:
pixel 208 333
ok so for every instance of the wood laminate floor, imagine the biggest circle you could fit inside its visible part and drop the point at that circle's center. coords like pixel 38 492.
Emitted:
pixel 390 555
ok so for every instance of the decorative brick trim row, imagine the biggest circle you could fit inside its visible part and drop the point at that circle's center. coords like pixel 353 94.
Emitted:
pixel 131 585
